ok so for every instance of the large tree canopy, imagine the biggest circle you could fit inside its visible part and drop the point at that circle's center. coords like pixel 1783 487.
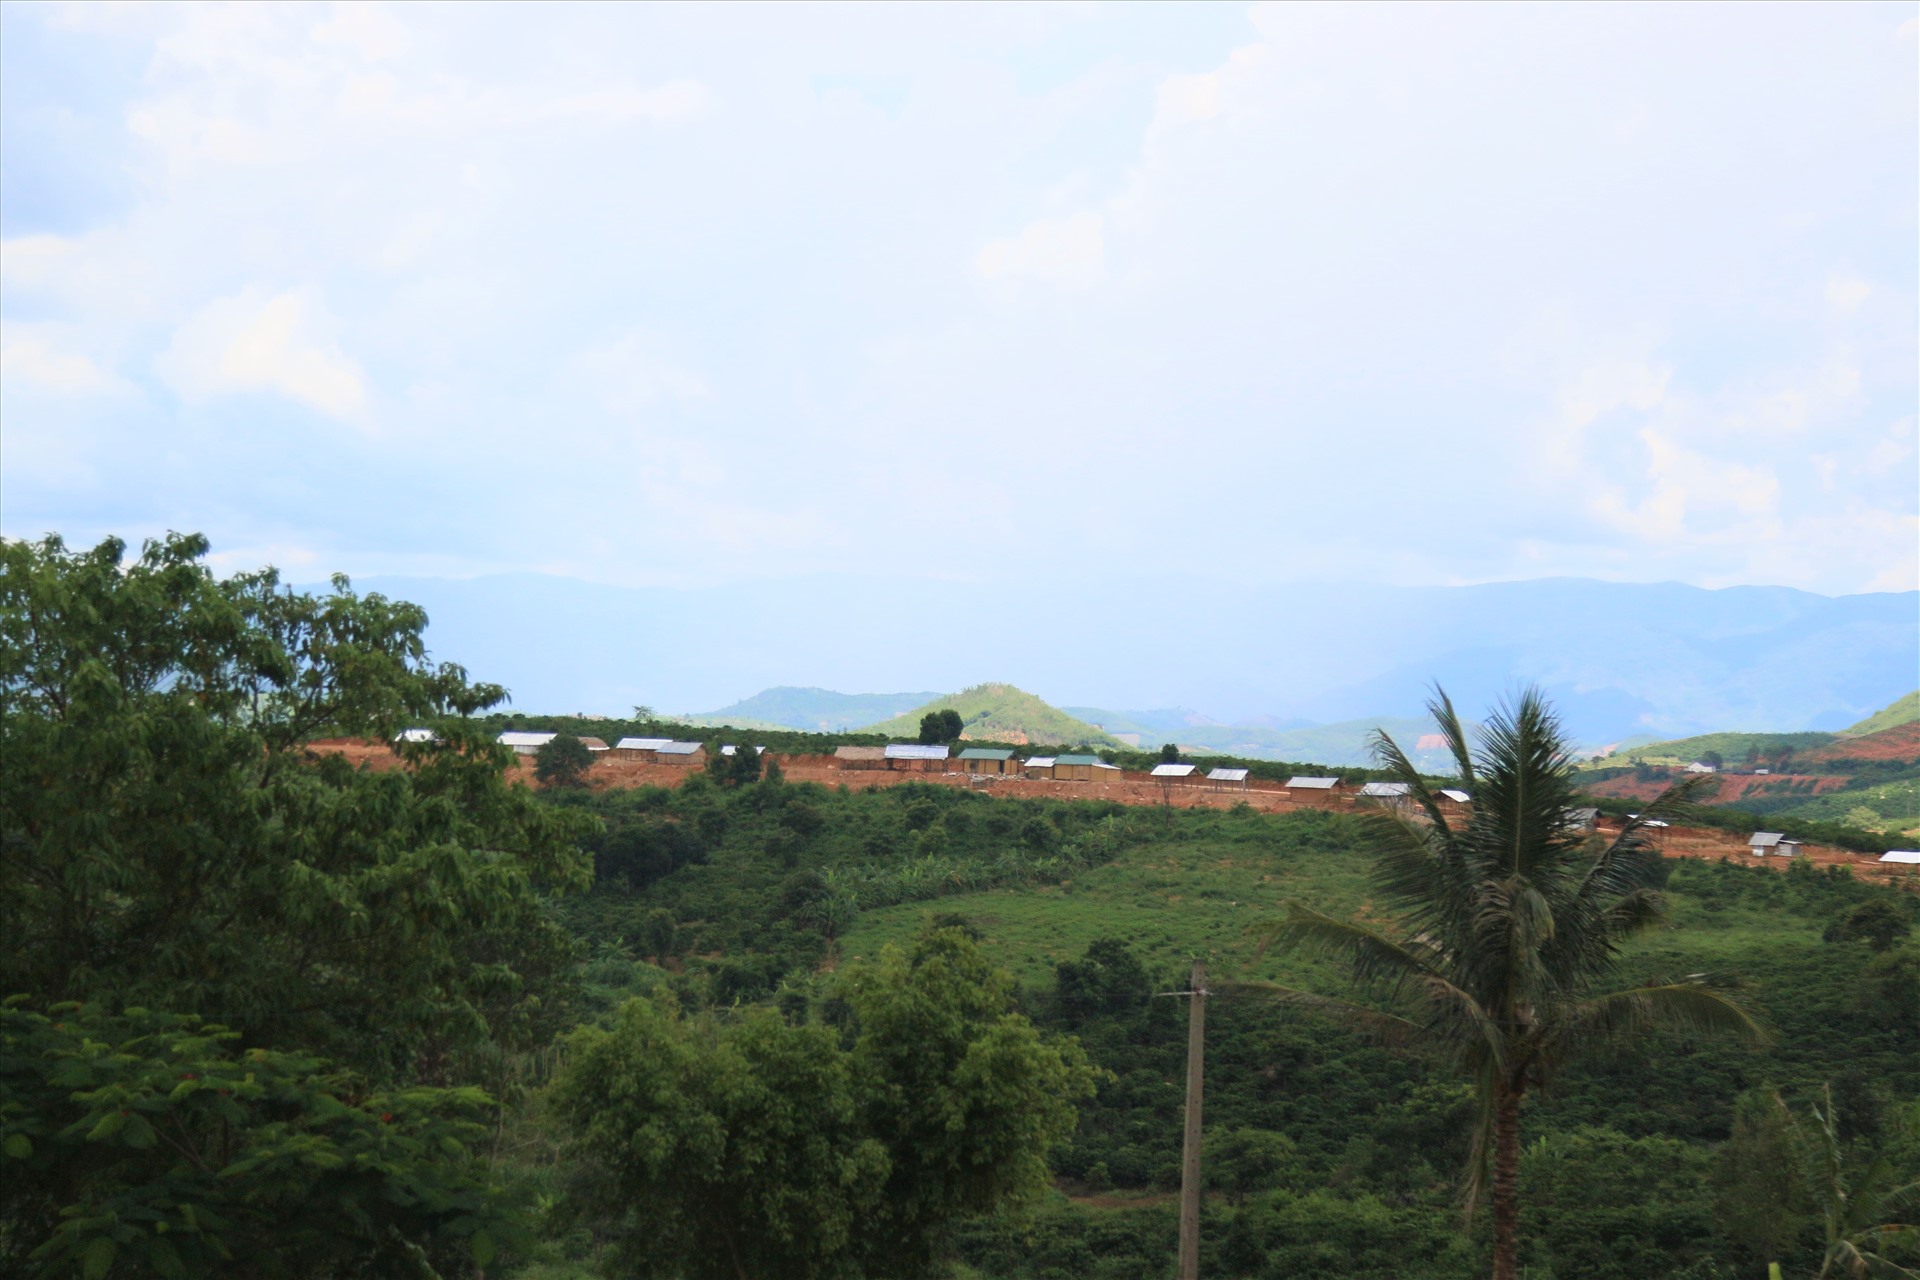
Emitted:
pixel 237 965
pixel 734 1147
pixel 169 839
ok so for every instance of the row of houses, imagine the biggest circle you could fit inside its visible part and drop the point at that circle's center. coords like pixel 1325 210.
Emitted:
pixel 1003 762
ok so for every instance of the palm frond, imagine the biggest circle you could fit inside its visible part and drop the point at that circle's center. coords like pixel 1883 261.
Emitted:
pixel 1372 956
pixel 1692 1006
pixel 1440 707
pixel 1407 863
pixel 1388 755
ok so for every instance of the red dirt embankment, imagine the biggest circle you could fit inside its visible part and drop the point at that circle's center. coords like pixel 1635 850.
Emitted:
pixel 1732 787
pixel 1902 742
pixel 624 772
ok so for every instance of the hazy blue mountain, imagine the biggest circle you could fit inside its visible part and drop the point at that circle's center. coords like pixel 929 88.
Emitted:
pixel 1619 658
pixel 815 710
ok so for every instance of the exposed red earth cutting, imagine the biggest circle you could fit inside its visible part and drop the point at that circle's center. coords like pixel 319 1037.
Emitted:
pixel 622 773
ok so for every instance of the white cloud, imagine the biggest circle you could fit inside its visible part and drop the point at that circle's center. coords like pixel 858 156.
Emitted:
pixel 253 342
pixel 1845 293
pixel 1067 252
pixel 37 362
pixel 675 100
pixel 369 29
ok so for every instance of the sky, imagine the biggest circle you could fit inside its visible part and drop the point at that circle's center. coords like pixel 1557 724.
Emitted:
pixel 657 295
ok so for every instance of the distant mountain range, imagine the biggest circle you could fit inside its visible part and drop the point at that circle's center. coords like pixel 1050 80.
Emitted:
pixel 1620 660
pixel 813 710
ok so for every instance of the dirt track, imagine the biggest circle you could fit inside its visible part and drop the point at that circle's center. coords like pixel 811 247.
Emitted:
pixel 612 770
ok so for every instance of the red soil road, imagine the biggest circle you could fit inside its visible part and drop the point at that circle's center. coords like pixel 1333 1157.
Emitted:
pixel 621 772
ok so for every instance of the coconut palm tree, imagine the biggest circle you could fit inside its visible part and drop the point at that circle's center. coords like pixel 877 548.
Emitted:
pixel 1506 929
pixel 1860 1211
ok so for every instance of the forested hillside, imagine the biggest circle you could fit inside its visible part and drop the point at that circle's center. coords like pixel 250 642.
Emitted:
pixel 425 1020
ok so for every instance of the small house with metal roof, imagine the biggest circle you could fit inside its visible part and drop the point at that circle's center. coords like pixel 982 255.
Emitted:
pixel 1174 772
pixel 682 753
pixel 525 742
pixel 642 747
pixel 1225 779
pixel 1763 844
pixel 993 760
pixel 860 757
pixel 1038 767
pixel 1583 819
pixel 1901 857
pixel 1079 768
pixel 925 757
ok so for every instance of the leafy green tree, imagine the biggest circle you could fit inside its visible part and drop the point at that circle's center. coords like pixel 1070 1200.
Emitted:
pixel 1761 1186
pixel 746 765
pixel 173 836
pixel 151 1144
pixel 562 761
pixel 943 726
pixel 719 1151
pixel 1108 979
pixel 965 1095
pixel 1877 922
pixel 1169 753
pixel 730 1147
pixel 1502 951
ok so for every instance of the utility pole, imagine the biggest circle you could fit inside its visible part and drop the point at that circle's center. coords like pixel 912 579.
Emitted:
pixel 1190 1148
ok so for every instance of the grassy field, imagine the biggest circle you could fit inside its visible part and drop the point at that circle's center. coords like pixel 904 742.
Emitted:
pixel 1197 894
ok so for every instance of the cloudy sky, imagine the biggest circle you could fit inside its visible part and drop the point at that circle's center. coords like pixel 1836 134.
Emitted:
pixel 657 295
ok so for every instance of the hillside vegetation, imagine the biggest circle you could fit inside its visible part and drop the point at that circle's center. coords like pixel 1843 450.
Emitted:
pixel 1732 748
pixel 1905 711
pixel 1002 713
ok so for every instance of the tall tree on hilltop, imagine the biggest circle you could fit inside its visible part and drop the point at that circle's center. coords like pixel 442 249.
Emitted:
pixel 943 726
pixel 1506 933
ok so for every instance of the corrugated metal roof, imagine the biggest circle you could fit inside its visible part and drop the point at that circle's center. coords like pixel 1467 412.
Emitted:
pixel 1583 815
pixel 1387 790
pixel 1764 839
pixel 1456 795
pixel 1172 770
pixel 914 751
pixel 641 744
pixel 1227 775
pixel 1909 857
pixel 731 750
pixel 859 753
pixel 1040 762
pixel 417 735
pixel 1314 784
pixel 679 748
pixel 1078 760
pixel 522 738
pixel 986 753
pixel 593 744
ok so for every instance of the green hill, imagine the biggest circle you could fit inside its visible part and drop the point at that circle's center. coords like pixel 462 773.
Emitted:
pixel 1002 713
pixel 1732 748
pixel 1901 712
